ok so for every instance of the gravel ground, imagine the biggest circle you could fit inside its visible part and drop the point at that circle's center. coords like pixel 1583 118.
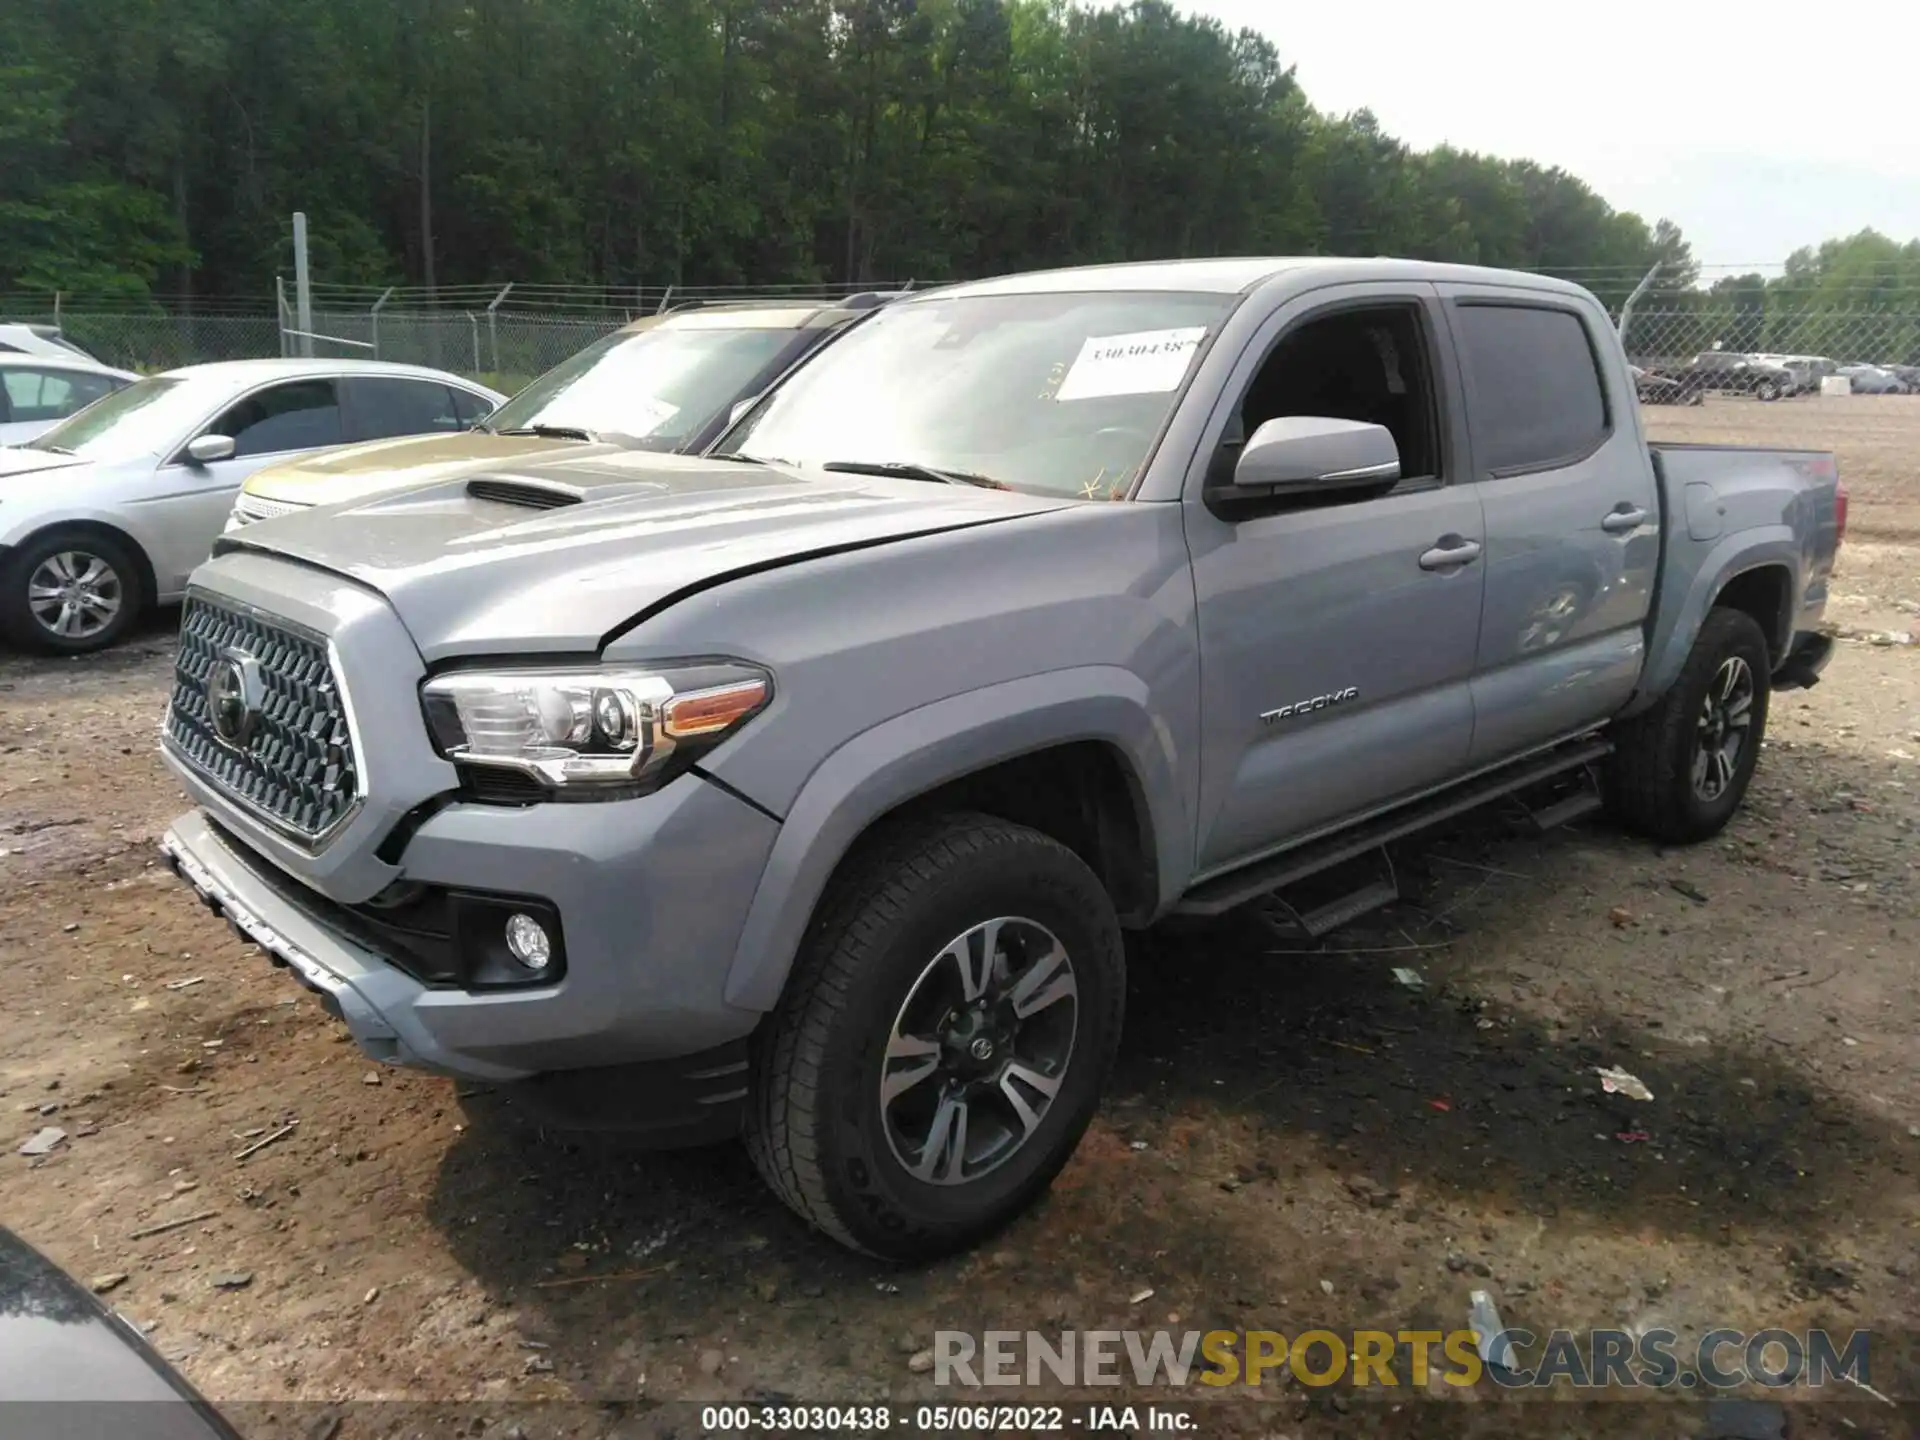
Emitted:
pixel 1293 1140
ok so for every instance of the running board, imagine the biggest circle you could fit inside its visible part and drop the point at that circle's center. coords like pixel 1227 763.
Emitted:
pixel 1228 892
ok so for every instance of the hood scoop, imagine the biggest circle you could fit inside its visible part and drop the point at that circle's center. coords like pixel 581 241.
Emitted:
pixel 525 494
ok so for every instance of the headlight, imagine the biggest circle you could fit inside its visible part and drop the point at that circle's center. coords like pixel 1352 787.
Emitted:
pixel 591 731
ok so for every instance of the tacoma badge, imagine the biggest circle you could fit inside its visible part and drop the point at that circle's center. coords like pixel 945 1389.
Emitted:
pixel 1301 707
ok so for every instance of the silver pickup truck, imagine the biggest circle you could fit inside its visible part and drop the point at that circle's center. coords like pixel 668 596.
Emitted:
pixel 805 791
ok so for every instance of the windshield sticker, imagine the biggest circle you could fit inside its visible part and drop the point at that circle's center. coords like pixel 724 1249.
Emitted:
pixel 1147 362
pixel 654 412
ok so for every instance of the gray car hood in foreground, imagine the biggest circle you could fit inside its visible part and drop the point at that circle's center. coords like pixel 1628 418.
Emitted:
pixel 19 460
pixel 481 576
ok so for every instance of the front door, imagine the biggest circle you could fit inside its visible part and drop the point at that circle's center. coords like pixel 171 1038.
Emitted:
pixel 192 500
pixel 1336 639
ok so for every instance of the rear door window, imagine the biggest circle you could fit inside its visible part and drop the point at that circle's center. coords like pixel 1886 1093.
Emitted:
pixel 471 408
pixel 383 408
pixel 51 394
pixel 1534 381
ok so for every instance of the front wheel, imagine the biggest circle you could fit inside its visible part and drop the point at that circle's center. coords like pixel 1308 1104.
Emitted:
pixel 69 593
pixel 1680 769
pixel 943 1040
pixel 1766 390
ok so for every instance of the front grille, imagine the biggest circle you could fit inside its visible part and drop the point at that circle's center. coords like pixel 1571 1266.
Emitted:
pixel 298 770
pixel 249 508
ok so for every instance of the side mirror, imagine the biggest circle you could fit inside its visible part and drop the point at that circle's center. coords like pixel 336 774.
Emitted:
pixel 205 449
pixel 1311 455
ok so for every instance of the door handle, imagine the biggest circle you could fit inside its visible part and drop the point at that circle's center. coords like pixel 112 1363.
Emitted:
pixel 1618 522
pixel 1450 553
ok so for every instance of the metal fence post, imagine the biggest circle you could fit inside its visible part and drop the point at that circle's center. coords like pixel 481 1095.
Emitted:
pixel 665 296
pixel 374 317
pixel 1626 310
pixel 493 329
pixel 280 311
pixel 473 324
pixel 303 288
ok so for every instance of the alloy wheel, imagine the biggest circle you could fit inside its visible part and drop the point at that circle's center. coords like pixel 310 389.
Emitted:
pixel 74 594
pixel 978 1051
pixel 1726 715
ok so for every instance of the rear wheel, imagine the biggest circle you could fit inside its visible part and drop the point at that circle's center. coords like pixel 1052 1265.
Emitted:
pixel 1766 390
pixel 1681 769
pixel 69 592
pixel 944 1039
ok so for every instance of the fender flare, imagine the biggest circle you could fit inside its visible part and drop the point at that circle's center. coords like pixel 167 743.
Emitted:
pixel 1735 555
pixel 916 752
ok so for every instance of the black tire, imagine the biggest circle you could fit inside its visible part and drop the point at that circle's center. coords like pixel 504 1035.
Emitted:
pixel 1651 784
pixel 123 583
pixel 817 1127
pixel 1766 390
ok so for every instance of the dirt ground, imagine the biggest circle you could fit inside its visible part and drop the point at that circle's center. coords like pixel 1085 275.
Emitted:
pixel 1293 1140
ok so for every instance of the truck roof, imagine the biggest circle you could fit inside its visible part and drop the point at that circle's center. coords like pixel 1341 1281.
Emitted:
pixel 1237 275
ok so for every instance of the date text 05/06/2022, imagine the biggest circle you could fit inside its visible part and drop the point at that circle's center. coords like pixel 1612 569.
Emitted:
pixel 869 1420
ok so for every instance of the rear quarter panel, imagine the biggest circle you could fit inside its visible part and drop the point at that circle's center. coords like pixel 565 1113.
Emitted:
pixel 1731 510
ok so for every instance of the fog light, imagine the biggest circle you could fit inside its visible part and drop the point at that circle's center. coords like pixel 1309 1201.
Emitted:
pixel 527 941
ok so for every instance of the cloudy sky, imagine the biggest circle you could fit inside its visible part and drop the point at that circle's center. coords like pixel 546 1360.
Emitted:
pixel 1757 127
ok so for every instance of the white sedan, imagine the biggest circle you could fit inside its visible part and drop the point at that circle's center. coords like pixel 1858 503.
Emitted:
pixel 37 393
pixel 111 509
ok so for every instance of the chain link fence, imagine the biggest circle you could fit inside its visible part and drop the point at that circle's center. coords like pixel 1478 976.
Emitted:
pixel 502 336
pixel 1694 341
pixel 1778 355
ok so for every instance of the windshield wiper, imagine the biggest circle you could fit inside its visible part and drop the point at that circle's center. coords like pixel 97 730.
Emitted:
pixel 549 432
pixel 48 449
pixel 913 470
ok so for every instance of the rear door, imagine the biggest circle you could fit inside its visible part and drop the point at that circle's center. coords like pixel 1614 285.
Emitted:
pixel 1336 638
pixel 383 407
pixel 1572 517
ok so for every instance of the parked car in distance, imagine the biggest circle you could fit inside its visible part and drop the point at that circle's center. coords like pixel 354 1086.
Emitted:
pixel 108 511
pixel 1908 376
pixel 803 789
pixel 37 393
pixel 1654 388
pixel 666 382
pixel 47 341
pixel 1806 370
pixel 70 1367
pixel 1729 373
pixel 1872 380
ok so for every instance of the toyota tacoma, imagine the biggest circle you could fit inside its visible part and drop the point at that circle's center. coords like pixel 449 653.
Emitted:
pixel 805 790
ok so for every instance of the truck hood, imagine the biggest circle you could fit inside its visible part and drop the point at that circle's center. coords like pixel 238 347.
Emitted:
pixel 628 533
pixel 355 472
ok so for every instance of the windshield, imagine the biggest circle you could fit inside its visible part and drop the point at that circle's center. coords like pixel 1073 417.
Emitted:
pixel 149 417
pixel 1060 394
pixel 655 389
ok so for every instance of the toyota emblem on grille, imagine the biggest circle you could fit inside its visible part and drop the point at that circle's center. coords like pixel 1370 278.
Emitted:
pixel 235 693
